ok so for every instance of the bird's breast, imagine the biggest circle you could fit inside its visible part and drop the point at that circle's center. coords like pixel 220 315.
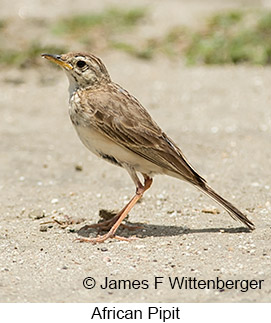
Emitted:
pixel 79 114
pixel 102 145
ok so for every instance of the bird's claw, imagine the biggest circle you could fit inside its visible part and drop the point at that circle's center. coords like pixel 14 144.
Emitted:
pixel 101 239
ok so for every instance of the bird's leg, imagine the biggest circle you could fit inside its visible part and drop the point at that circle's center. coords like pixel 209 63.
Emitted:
pixel 108 224
pixel 140 189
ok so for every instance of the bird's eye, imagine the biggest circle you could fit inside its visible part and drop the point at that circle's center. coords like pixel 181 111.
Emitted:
pixel 80 64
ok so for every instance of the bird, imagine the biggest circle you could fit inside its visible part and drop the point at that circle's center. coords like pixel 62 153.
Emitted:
pixel 115 126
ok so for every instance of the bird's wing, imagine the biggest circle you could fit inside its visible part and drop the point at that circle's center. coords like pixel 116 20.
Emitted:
pixel 120 116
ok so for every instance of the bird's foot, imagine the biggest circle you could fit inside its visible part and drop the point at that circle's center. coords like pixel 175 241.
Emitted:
pixel 104 237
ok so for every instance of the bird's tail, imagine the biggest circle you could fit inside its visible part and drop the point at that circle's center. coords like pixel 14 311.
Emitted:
pixel 231 209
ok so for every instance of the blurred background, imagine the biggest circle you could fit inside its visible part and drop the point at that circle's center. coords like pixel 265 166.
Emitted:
pixel 198 32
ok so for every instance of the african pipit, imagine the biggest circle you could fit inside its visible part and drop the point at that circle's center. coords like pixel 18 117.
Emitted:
pixel 115 126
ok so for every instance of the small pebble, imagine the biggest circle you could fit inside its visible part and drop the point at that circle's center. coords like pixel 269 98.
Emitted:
pixel 211 211
pixel 255 184
pixel 161 196
pixel 104 249
pixel 43 228
pixel 54 201
pixel 36 214
pixel 106 259
pixel 78 167
pixel 140 246
pixel 106 214
pixel 214 129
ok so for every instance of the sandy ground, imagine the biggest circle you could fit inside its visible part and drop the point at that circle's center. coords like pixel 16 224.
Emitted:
pixel 219 116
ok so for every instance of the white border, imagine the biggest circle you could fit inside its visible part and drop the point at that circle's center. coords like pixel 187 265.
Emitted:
pixel 189 312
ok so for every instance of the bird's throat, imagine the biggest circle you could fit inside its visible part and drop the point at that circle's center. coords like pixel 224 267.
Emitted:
pixel 73 85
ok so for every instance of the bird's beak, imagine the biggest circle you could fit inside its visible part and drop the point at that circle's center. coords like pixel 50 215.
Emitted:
pixel 58 60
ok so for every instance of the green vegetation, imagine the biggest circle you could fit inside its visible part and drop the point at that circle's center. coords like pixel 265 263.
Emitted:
pixel 145 52
pixel 232 37
pixel 28 56
pixel 97 30
pixel 229 37
pixel 94 31
pixel 171 45
pixel 110 20
pixel 2 24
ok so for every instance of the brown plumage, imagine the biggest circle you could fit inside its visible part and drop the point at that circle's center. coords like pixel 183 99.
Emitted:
pixel 115 126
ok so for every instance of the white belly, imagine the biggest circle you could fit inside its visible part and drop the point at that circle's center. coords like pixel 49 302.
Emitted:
pixel 101 145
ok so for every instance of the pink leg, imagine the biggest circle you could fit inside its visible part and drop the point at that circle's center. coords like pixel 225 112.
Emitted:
pixel 140 189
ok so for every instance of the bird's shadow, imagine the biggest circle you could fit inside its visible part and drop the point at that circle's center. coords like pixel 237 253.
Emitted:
pixel 151 230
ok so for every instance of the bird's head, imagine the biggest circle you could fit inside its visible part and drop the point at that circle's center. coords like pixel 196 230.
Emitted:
pixel 83 70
